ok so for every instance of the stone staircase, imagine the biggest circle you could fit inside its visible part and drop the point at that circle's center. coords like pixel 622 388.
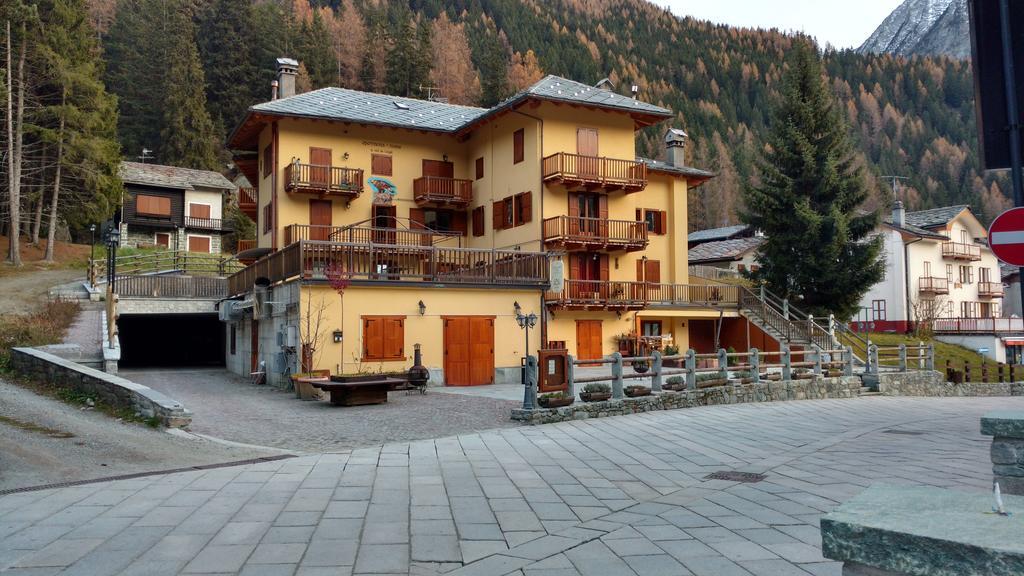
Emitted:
pixel 83 342
pixel 785 323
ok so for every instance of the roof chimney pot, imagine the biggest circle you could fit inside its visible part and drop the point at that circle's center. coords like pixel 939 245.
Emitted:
pixel 287 70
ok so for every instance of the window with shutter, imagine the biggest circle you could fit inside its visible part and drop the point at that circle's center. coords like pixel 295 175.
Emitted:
pixel 268 212
pixel 523 208
pixel 498 215
pixel 380 164
pixel 518 141
pixel 383 338
pixel 153 206
pixel 478 221
pixel 268 160
pixel 508 212
pixel 479 168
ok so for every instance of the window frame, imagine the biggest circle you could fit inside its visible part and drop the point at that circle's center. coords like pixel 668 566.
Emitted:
pixel 151 214
pixel 268 217
pixel 374 157
pixel 479 168
pixel 383 357
pixel 268 160
pixel 479 221
pixel 878 311
pixel 519 146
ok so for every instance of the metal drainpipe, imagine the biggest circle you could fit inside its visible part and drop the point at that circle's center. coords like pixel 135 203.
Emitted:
pixel 540 220
pixel 906 274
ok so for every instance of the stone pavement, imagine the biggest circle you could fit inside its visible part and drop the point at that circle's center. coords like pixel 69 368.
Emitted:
pixel 617 496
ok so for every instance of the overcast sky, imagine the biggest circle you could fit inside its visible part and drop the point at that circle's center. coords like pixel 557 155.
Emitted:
pixel 843 23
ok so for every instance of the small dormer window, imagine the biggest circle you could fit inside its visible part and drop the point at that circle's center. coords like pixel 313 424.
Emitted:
pixel 401 105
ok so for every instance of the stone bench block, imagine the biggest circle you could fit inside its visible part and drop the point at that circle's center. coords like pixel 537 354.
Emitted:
pixel 1007 430
pixel 925 531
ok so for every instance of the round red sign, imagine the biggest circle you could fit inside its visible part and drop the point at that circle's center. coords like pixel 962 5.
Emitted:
pixel 1006 236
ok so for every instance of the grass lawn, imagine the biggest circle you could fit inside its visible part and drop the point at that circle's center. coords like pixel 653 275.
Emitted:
pixel 943 351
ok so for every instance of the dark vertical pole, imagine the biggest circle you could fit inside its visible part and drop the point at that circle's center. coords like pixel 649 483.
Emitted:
pixel 1012 114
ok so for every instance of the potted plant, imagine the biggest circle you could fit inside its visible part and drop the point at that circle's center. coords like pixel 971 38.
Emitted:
pixel 671 350
pixel 710 379
pixel 641 366
pixel 554 400
pixel 596 392
pixel 636 390
pixel 674 383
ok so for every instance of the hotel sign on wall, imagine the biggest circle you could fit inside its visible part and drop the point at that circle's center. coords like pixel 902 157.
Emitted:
pixel 1006 236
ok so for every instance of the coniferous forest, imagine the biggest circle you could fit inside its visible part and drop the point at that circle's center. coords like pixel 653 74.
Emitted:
pixel 184 71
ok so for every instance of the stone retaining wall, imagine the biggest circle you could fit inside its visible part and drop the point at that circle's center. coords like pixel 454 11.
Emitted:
pixel 1007 431
pixel 933 383
pixel 840 387
pixel 108 388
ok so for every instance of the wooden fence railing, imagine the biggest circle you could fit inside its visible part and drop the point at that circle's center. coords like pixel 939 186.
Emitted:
pixel 570 230
pixel 608 172
pixel 171 287
pixel 160 261
pixel 434 189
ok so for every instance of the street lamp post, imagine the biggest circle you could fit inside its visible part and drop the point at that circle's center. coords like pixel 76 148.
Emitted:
pixel 526 322
pixel 113 239
pixel 92 255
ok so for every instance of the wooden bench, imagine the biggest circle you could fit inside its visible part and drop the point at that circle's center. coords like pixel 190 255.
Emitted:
pixel 358 391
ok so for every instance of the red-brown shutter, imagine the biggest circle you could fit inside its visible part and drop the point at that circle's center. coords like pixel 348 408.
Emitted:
pixel 478 221
pixel 662 222
pixel 653 272
pixel 574 266
pixel 373 338
pixel 199 211
pixel 639 214
pixel 574 205
pixel 479 167
pixel 639 270
pixel 417 220
pixel 526 207
pixel 459 222
pixel 602 207
pixel 518 140
pixel 380 164
pixel 498 215
pixel 604 267
pixel 393 338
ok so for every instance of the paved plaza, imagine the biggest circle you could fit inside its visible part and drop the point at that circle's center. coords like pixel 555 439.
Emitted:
pixel 617 496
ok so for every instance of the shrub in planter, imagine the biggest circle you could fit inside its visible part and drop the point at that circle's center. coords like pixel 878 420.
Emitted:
pixel 708 380
pixel 554 400
pixel 672 351
pixel 636 390
pixel 674 383
pixel 595 392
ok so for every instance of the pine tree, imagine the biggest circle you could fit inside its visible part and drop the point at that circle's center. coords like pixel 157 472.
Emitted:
pixel 408 65
pixel 136 71
pixel 187 135
pixel 810 199
pixel 226 34
pixel 494 84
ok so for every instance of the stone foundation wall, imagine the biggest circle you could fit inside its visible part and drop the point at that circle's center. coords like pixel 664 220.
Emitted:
pixel 110 389
pixel 933 383
pixel 819 388
pixel 1007 431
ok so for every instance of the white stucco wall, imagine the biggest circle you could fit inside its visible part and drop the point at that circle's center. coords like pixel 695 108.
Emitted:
pixel 996 348
pixel 213 198
pixel 892 287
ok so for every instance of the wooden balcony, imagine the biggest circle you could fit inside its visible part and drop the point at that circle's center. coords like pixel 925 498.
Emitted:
pixel 372 263
pixel 621 296
pixel 214 224
pixel 243 245
pixel 325 181
pixel 438 192
pixel 594 172
pixel 990 289
pixel 978 325
pixel 576 233
pixel 961 251
pixel 248 202
pixel 370 235
pixel 932 285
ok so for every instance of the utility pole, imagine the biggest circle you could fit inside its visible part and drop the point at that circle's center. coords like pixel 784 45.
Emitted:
pixel 895 183
pixel 1012 115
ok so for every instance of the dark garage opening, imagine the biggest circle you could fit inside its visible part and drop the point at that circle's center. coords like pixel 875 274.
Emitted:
pixel 178 340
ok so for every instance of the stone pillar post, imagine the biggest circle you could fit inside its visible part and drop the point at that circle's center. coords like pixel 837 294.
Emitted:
pixel 903 357
pixel 1007 430
pixel 570 375
pixel 929 361
pixel 691 369
pixel 656 371
pixel 723 363
pixel 787 364
pixel 755 365
pixel 617 376
pixel 817 359
pixel 532 374
pixel 848 361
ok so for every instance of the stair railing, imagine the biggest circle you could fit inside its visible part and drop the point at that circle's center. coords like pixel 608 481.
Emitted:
pixel 772 309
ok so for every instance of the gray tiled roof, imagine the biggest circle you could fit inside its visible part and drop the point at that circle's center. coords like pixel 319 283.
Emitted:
pixel 681 170
pixel 553 87
pixel 935 216
pixel 172 176
pixel 917 230
pixel 716 233
pixel 723 249
pixel 368 107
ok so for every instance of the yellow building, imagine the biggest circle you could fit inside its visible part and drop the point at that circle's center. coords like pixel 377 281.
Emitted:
pixel 440 223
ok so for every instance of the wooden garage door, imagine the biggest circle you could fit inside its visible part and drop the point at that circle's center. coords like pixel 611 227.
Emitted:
pixel 198 244
pixel 588 339
pixel 468 350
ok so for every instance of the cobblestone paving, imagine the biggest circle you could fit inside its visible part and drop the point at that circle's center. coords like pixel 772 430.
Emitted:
pixel 617 496
pixel 229 407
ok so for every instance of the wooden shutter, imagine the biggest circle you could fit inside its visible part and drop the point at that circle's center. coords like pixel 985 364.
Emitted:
pixel 438 169
pixel 639 214
pixel 653 272
pixel 602 207
pixel 268 161
pixel 479 167
pixel 478 221
pixel 574 205
pixel 662 222
pixel 498 215
pixel 586 141
pixel 574 266
pixel 417 220
pixel 518 140
pixel 199 244
pixel 639 270
pixel 199 211
pixel 459 222
pixel 373 338
pixel 604 267
pixel 393 338
pixel 380 164
pixel 525 208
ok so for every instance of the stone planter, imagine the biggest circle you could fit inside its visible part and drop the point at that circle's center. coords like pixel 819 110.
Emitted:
pixel 555 402
pixel 674 387
pixel 712 383
pixel 595 396
pixel 637 391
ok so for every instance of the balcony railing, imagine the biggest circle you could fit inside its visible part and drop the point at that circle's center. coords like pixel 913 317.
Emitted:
pixel 244 245
pixel 932 285
pixel 978 325
pixel 595 172
pixel 152 221
pixel 374 263
pixel 370 235
pixel 323 180
pixel 208 224
pixel 961 251
pixel 435 191
pixel 248 201
pixel 625 295
pixel 576 233
pixel 990 289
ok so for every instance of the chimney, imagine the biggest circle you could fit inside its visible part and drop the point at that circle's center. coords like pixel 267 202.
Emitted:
pixel 606 85
pixel 287 70
pixel 675 147
pixel 273 89
pixel 899 215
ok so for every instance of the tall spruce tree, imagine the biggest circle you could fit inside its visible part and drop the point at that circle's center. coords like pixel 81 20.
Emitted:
pixel 136 72
pixel 316 51
pixel 186 134
pixel 809 201
pixel 227 43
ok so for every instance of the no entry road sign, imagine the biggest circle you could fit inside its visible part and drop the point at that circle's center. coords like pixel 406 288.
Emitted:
pixel 1006 236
